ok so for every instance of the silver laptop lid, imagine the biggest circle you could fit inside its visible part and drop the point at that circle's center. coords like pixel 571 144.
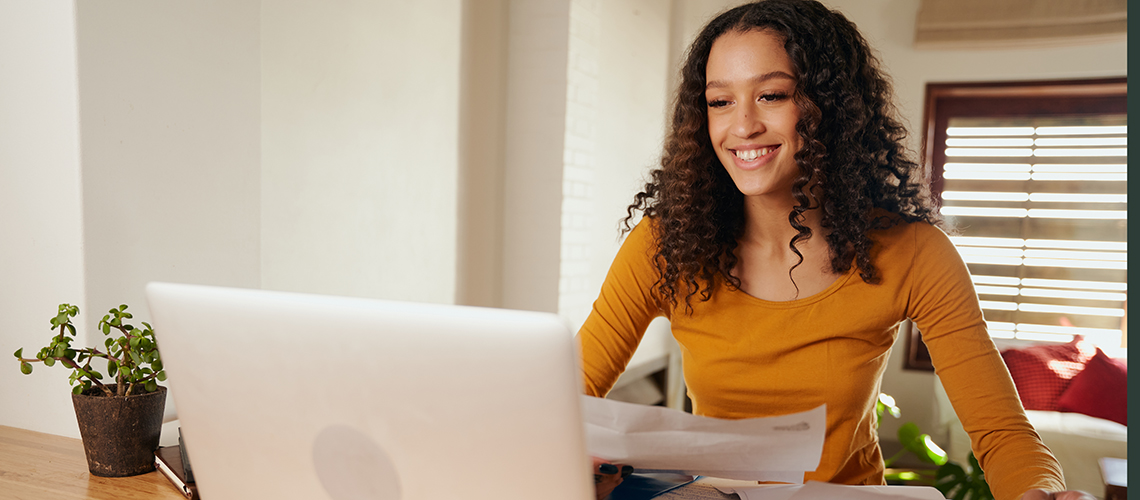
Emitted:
pixel 284 395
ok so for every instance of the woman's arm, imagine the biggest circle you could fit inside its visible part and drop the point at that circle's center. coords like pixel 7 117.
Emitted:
pixel 945 308
pixel 623 311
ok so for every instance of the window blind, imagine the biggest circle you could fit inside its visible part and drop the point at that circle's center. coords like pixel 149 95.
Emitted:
pixel 1040 208
pixel 962 24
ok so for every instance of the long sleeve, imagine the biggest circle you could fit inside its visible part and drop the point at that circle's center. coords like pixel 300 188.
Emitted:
pixel 945 308
pixel 622 312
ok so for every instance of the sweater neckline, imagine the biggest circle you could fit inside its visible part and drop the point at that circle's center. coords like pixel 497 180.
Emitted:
pixel 811 299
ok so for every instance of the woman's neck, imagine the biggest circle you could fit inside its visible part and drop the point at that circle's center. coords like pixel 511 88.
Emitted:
pixel 766 221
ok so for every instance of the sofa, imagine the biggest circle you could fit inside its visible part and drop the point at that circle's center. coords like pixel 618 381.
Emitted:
pixel 1075 396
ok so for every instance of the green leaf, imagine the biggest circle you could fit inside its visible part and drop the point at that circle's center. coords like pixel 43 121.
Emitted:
pixel 151 386
pixel 902 476
pixel 54 322
pixel 49 361
pixel 157 365
pixel 147 325
pixel 122 307
pixel 135 358
pixel 61 318
pixel 70 328
pixel 25 367
pixel 59 351
pixel 921 445
pixel 109 343
pixel 106 329
pixel 950 479
pixel 112 368
pixel 77 389
pixel 19 352
pixel 69 354
pixel 908 433
pixel 161 376
pixel 931 452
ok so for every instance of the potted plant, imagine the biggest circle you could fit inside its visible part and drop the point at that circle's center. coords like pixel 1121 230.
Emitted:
pixel 119 422
pixel 952 480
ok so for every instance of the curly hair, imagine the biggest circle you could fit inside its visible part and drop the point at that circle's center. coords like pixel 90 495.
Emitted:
pixel 851 147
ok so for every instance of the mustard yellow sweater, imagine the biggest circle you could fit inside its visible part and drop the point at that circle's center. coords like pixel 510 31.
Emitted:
pixel 746 357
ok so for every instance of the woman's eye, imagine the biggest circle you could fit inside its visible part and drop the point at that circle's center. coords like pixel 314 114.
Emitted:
pixel 718 103
pixel 778 96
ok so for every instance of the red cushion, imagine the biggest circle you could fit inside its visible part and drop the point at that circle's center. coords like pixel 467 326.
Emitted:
pixel 1101 390
pixel 1042 372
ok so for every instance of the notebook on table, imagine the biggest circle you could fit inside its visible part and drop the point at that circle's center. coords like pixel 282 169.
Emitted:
pixel 284 395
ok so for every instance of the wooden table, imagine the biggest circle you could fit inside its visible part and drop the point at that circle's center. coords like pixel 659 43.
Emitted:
pixel 37 466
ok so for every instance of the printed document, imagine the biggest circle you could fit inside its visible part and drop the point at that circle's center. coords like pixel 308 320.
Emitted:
pixel 656 439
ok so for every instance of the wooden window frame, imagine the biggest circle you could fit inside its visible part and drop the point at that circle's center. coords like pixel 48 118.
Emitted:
pixel 995 100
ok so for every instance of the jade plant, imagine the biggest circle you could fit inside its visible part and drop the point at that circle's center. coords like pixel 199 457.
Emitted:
pixel 954 481
pixel 131 354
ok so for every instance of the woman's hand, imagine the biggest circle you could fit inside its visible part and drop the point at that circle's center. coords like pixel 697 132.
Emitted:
pixel 608 476
pixel 1060 495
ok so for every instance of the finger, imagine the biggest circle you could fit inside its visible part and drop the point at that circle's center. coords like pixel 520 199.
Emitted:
pixel 1073 495
pixel 604 484
pixel 1036 495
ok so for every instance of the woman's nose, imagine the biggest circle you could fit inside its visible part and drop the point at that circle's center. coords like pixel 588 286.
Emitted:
pixel 747 122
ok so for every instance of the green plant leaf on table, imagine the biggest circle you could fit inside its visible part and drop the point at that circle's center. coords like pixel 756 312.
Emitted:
pixel 922 445
pixel 958 483
pixel 127 354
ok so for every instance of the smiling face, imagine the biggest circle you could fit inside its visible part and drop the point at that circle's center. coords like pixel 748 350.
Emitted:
pixel 752 118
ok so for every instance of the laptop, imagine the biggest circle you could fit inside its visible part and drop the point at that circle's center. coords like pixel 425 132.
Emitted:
pixel 294 396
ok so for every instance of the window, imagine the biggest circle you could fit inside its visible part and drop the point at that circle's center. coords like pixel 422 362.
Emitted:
pixel 1033 176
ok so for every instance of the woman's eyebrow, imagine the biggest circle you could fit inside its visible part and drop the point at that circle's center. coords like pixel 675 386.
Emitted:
pixel 756 79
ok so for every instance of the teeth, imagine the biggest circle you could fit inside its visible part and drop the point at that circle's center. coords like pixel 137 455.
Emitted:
pixel 752 154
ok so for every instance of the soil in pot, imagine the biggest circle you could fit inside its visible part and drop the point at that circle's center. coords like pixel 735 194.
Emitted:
pixel 120 433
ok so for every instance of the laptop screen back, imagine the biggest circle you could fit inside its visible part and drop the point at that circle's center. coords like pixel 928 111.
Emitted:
pixel 284 395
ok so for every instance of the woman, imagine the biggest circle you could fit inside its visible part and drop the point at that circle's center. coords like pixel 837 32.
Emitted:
pixel 785 237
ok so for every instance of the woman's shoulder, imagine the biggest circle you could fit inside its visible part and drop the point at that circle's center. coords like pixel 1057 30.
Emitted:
pixel 644 232
pixel 640 242
pixel 903 239
pixel 897 229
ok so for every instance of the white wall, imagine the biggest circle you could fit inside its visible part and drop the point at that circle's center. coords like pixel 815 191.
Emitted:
pixel 482 149
pixel 41 257
pixel 535 125
pixel 169 127
pixel 359 124
pixel 129 152
pixel 632 104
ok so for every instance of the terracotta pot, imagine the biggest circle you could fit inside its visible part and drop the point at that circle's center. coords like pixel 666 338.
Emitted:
pixel 120 433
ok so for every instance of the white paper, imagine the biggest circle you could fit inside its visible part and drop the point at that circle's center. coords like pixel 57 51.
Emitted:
pixel 815 490
pixel 652 438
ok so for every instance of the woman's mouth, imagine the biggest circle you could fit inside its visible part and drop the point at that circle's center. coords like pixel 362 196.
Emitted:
pixel 753 154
